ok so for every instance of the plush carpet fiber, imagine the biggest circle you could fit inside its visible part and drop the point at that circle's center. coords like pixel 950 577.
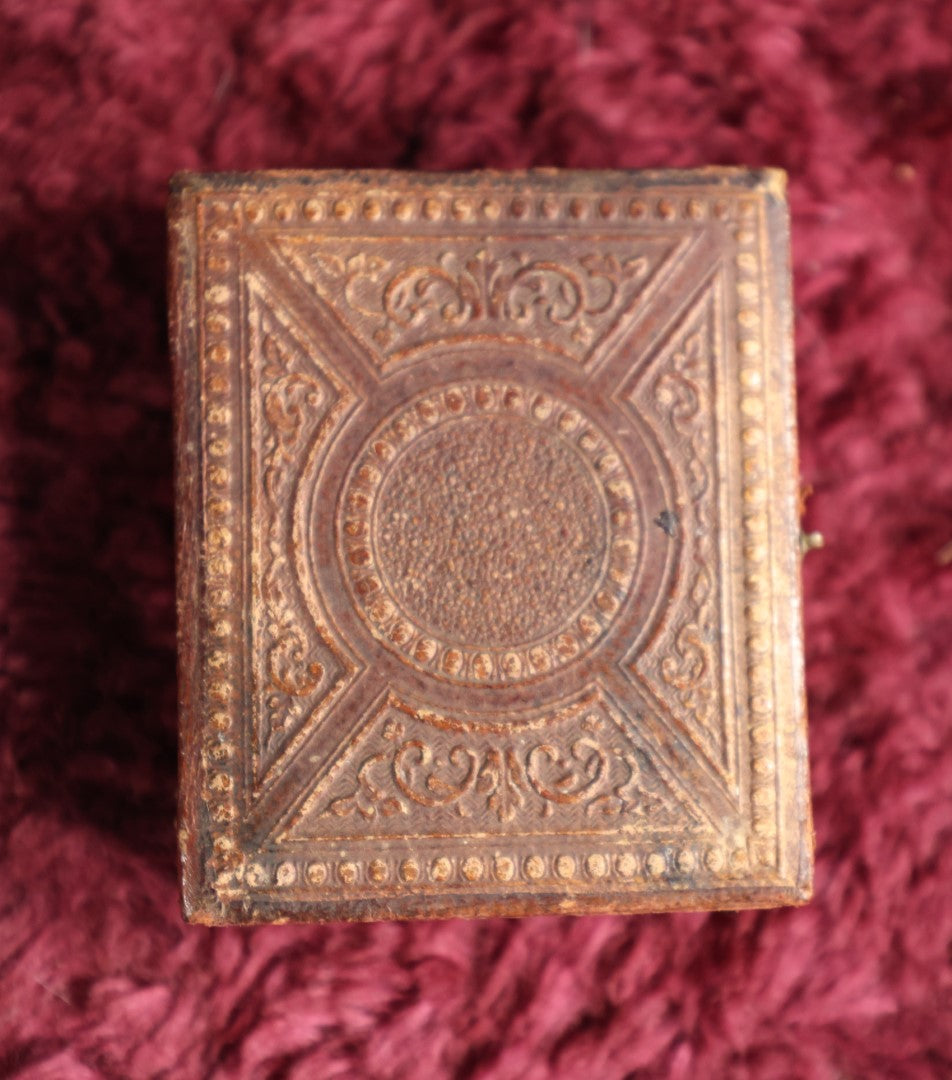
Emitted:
pixel 100 100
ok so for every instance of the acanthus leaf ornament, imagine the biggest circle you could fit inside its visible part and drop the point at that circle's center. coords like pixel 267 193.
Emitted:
pixel 502 777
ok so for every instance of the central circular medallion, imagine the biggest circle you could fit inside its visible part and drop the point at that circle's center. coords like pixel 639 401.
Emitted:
pixel 488 533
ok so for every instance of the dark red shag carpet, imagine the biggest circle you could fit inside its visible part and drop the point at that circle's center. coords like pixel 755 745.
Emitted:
pixel 100 100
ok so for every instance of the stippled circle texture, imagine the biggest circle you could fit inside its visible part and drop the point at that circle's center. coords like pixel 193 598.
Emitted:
pixel 490 531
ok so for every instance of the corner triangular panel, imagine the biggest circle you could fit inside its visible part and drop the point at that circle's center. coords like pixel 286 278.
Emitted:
pixel 583 773
pixel 295 398
pixel 405 295
pixel 682 665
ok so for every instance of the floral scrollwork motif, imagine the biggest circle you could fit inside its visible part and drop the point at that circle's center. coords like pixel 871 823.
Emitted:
pixel 362 276
pixel 458 289
pixel 682 394
pixel 291 402
pixel 550 290
pixel 562 778
pixel 562 295
pixel 286 404
pixel 289 665
pixel 565 294
pixel 688 668
pixel 293 670
pixel 415 772
pixel 368 799
pixel 504 780
pixel 629 794
pixel 419 290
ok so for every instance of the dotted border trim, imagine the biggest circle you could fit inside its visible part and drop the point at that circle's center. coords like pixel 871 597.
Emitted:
pixel 465 209
pixel 221 532
pixel 756 532
pixel 593 868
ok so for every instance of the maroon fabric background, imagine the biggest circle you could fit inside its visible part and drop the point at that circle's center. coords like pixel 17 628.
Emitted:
pixel 99 103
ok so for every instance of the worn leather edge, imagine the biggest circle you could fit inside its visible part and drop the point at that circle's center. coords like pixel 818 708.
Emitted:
pixel 795 808
pixel 412 907
pixel 187 451
pixel 768 180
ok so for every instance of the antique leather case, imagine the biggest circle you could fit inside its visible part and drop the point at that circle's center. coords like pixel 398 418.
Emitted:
pixel 488 544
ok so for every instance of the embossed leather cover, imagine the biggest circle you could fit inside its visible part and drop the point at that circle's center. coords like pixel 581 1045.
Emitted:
pixel 488 545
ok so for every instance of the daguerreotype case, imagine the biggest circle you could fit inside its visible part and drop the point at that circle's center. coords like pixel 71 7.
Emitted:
pixel 488 536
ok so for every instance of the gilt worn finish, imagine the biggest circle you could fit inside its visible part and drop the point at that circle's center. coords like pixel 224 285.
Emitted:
pixel 488 545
